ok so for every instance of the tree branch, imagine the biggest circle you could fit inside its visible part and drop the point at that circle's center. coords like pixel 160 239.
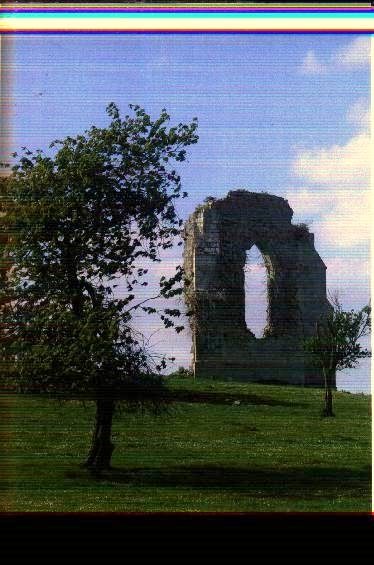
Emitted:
pixel 143 302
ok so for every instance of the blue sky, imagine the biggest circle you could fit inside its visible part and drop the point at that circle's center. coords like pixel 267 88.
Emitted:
pixel 287 114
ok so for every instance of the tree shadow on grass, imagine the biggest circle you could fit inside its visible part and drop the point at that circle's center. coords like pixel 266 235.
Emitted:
pixel 183 395
pixel 204 397
pixel 309 482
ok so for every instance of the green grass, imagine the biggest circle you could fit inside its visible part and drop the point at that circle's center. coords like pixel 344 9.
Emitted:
pixel 272 452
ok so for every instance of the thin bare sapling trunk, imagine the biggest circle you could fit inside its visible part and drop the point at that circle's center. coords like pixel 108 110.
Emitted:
pixel 328 409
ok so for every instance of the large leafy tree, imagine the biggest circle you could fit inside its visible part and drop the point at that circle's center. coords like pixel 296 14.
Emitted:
pixel 97 208
pixel 336 345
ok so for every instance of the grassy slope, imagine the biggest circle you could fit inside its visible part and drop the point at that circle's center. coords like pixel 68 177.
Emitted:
pixel 275 453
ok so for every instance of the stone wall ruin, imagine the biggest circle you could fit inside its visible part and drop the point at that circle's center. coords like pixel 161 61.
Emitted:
pixel 217 236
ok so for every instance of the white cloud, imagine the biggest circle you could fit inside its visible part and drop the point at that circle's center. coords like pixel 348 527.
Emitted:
pixel 359 114
pixel 341 218
pixel 339 267
pixel 311 65
pixel 350 276
pixel 307 203
pixel 336 186
pixel 337 165
pixel 356 54
pixel 348 224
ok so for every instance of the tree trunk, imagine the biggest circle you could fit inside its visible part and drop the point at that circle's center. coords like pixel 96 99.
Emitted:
pixel 328 412
pixel 100 454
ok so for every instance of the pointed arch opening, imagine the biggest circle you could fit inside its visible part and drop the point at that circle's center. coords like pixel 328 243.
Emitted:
pixel 255 289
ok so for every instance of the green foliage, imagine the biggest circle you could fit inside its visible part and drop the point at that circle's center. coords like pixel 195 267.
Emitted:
pixel 86 214
pixel 336 345
pixel 303 228
pixel 182 373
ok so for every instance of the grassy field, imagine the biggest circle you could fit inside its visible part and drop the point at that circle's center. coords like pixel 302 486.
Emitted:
pixel 245 447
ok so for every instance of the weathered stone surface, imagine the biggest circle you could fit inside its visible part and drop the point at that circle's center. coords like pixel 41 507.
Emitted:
pixel 217 236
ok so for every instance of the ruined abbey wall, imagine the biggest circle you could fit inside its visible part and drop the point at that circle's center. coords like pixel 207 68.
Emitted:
pixel 217 236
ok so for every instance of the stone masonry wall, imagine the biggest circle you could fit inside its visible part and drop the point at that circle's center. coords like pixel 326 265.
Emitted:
pixel 217 236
